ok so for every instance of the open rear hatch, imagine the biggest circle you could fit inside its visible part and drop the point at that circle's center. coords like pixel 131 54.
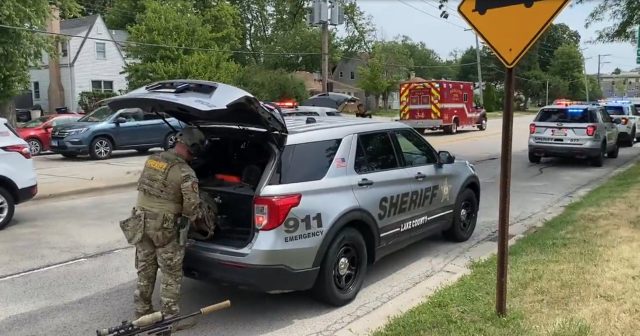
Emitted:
pixel 200 103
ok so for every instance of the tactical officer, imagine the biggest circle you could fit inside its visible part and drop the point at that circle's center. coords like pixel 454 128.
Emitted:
pixel 167 193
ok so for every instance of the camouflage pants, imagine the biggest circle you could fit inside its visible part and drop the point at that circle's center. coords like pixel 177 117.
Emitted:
pixel 159 247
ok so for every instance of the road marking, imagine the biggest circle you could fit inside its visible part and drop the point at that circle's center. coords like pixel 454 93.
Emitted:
pixel 62 263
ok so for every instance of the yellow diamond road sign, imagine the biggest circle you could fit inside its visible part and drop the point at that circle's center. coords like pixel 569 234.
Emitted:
pixel 510 27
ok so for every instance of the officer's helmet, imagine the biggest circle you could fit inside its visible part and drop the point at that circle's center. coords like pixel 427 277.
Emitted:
pixel 192 138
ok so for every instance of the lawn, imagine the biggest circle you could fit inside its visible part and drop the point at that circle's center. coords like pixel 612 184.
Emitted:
pixel 498 114
pixel 577 275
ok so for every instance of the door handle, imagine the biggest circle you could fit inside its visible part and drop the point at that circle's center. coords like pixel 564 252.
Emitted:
pixel 365 183
pixel 420 176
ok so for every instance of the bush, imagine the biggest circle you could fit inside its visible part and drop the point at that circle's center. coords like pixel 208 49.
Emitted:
pixel 492 101
pixel 271 85
pixel 89 99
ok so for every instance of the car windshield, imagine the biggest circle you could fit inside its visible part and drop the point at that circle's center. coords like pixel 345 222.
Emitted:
pixel 565 115
pixel 101 114
pixel 615 110
pixel 35 122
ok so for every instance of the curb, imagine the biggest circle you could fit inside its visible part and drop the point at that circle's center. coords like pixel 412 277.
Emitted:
pixel 84 191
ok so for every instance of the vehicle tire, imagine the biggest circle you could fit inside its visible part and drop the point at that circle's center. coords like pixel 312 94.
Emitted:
pixel 70 156
pixel 534 158
pixel 7 207
pixel 454 126
pixel 612 154
pixel 169 141
pixel 483 124
pixel 35 146
pixel 342 270
pixel 465 216
pixel 101 148
pixel 598 161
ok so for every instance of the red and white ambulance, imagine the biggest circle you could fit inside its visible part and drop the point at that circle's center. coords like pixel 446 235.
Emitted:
pixel 440 104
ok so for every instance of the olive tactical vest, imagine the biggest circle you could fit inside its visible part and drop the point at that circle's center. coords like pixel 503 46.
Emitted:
pixel 154 178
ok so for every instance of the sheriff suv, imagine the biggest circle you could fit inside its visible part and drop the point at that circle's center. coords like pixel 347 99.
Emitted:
pixel 310 203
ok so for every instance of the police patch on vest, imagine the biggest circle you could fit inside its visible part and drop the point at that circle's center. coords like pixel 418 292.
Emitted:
pixel 157 165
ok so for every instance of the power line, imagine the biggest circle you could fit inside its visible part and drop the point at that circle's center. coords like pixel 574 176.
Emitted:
pixel 39 31
pixel 429 14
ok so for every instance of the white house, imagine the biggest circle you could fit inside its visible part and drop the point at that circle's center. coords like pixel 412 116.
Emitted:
pixel 91 60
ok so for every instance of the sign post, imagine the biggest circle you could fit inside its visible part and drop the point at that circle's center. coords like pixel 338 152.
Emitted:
pixel 638 50
pixel 510 28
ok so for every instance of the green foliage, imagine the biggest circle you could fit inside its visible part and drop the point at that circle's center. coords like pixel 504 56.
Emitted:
pixel 89 100
pixel 492 99
pixel 623 15
pixel 533 85
pixel 271 85
pixel 180 23
pixel 468 73
pixel 20 49
pixel 556 36
pixel 122 13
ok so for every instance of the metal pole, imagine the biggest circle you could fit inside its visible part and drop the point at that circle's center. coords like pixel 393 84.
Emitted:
pixel 547 92
pixel 599 69
pixel 325 57
pixel 505 195
pixel 479 71
pixel 586 80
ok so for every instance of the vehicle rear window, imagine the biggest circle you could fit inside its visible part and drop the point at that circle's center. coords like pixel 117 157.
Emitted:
pixel 565 115
pixel 305 162
pixel 615 110
pixel 12 129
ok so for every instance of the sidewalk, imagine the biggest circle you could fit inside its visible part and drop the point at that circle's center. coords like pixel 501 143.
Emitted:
pixel 58 176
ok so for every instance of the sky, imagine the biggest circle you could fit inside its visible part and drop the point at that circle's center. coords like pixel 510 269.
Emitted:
pixel 393 18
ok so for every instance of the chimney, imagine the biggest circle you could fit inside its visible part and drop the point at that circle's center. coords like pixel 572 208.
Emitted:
pixel 55 90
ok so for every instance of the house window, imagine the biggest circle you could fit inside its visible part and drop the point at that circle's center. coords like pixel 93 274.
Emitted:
pixel 36 90
pixel 102 86
pixel 101 50
pixel 65 49
pixel 340 74
pixel 353 75
pixel 465 97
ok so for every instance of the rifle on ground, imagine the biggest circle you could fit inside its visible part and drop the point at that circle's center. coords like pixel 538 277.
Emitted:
pixel 155 323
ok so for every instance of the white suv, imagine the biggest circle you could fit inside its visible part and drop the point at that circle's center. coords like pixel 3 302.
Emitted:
pixel 18 181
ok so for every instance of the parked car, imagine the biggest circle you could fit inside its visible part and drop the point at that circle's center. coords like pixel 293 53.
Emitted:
pixel 37 132
pixel 628 115
pixel 339 101
pixel 311 111
pixel 18 182
pixel 578 131
pixel 317 199
pixel 105 130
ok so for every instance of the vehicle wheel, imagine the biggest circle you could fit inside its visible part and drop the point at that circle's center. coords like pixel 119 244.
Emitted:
pixel 35 146
pixel 342 270
pixel 614 152
pixel 7 207
pixel 101 148
pixel 454 127
pixel 70 156
pixel 598 161
pixel 534 158
pixel 169 141
pixel 483 124
pixel 465 215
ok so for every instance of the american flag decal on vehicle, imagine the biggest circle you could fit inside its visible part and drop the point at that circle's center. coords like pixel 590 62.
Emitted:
pixel 341 163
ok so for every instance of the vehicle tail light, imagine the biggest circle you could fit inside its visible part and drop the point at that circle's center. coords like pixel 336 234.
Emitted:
pixel 21 149
pixel 625 121
pixel 591 130
pixel 532 128
pixel 271 211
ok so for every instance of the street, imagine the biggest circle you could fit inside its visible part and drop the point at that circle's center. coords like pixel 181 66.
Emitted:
pixel 65 268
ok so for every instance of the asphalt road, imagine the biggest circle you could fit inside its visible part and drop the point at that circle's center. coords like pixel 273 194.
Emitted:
pixel 65 268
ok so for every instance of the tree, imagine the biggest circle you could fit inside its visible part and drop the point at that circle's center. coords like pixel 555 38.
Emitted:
pixel 22 49
pixel 623 15
pixel 492 101
pixel 389 63
pixel 568 64
pixel 617 71
pixel 426 62
pixel 533 86
pixel 468 70
pixel 558 88
pixel 359 31
pixel 271 85
pixel 122 13
pixel 555 36
pixel 179 23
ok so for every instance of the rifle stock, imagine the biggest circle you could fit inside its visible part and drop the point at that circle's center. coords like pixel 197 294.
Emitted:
pixel 155 323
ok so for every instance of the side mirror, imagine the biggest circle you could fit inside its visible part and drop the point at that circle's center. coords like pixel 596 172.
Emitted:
pixel 121 120
pixel 446 157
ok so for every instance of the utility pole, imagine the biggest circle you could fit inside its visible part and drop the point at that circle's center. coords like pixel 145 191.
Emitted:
pixel 600 63
pixel 318 15
pixel 480 83
pixel 586 79
pixel 547 103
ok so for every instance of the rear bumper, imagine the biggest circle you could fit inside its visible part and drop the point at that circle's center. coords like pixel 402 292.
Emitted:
pixel 27 193
pixel 564 151
pixel 277 278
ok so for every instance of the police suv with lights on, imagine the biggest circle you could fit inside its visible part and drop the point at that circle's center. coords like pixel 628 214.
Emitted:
pixel 314 200
pixel 624 111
